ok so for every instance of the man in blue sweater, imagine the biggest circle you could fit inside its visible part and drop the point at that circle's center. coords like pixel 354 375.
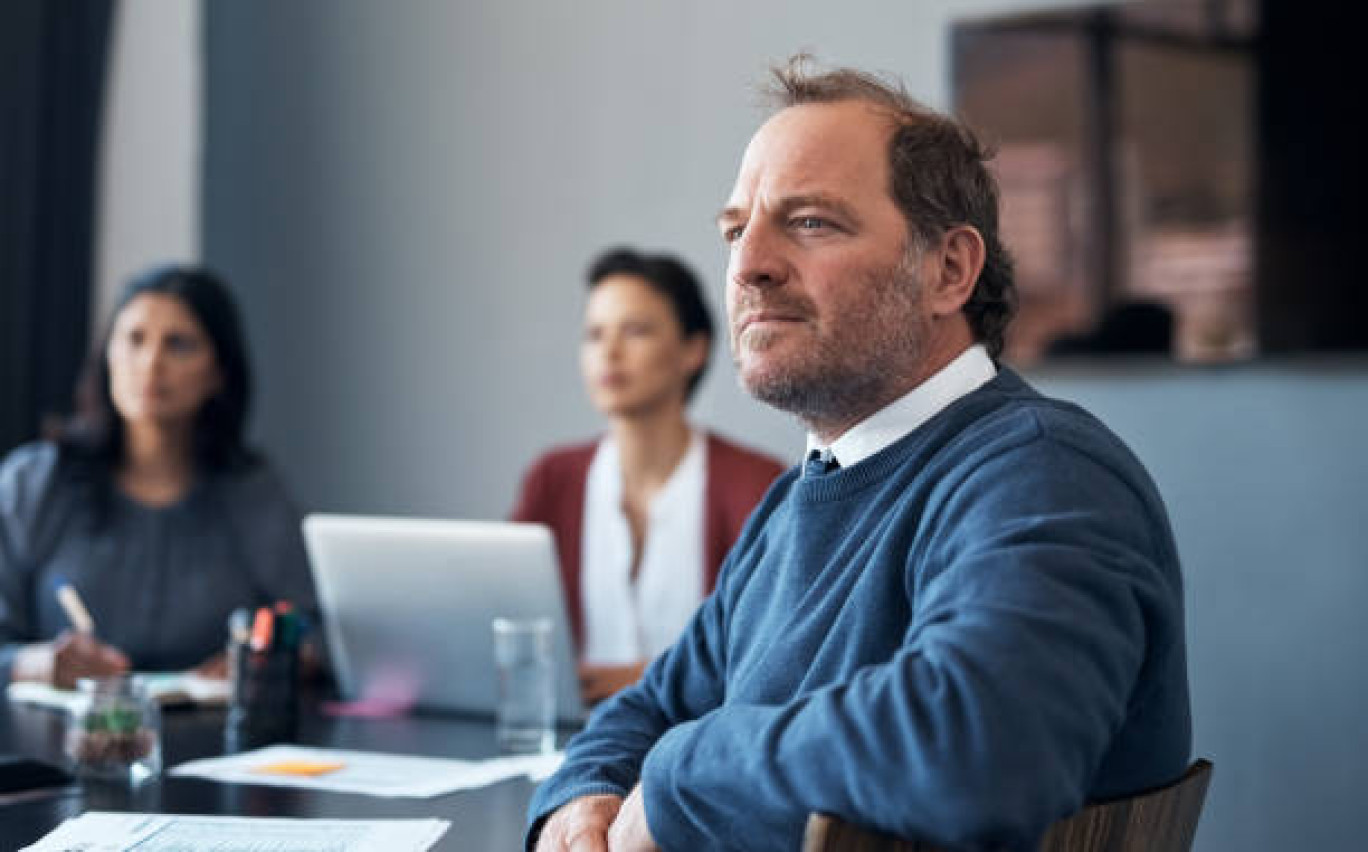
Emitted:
pixel 962 618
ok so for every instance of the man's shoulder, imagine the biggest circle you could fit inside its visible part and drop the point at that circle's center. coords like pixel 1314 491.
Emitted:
pixel 1010 407
pixel 1038 438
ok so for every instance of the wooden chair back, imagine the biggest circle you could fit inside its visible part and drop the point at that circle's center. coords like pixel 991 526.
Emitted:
pixel 1162 820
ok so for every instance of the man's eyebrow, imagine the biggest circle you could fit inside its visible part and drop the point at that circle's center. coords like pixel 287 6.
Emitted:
pixel 818 199
pixel 787 205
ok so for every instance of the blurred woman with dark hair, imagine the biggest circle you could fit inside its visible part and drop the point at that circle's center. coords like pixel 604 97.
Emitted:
pixel 643 516
pixel 147 501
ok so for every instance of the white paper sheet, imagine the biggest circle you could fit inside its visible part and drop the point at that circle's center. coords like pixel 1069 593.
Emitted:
pixel 167 687
pixel 99 831
pixel 371 773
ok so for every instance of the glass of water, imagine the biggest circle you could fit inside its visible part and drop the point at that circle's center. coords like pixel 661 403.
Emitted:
pixel 526 708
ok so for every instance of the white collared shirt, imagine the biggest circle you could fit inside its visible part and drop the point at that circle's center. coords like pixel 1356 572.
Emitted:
pixel 967 373
pixel 626 619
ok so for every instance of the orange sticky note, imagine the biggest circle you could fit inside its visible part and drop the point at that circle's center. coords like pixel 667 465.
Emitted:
pixel 308 768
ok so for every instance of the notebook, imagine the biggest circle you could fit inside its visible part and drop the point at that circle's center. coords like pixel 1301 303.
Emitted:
pixel 408 605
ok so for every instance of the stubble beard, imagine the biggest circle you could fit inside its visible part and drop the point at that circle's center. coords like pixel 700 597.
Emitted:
pixel 842 378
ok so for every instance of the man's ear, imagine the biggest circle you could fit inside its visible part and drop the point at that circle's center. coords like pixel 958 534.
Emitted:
pixel 958 263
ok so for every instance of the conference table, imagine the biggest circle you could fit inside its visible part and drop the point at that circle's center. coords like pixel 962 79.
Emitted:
pixel 487 818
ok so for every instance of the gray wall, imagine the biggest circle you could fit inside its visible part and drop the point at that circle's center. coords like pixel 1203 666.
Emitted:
pixel 150 171
pixel 1266 478
pixel 406 195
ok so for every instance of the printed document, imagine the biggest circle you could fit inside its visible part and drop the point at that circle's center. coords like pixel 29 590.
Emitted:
pixel 102 831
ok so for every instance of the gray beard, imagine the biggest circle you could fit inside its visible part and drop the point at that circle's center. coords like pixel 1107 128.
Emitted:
pixel 837 388
pixel 831 400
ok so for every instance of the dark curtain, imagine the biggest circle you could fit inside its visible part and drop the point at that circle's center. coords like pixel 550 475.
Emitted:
pixel 52 71
pixel 1309 237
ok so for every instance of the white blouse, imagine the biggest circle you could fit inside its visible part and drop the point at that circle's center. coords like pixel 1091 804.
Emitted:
pixel 626 619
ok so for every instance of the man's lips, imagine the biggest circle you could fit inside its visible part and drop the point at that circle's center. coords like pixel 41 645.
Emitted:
pixel 768 318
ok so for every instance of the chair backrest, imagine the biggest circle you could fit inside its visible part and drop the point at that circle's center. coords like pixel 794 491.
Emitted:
pixel 1162 820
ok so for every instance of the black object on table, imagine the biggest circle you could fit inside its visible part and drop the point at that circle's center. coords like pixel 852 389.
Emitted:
pixel 21 774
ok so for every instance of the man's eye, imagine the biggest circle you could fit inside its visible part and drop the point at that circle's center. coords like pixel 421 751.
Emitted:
pixel 809 223
pixel 732 234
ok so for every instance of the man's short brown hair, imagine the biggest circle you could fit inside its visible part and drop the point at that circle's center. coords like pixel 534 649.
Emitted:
pixel 939 177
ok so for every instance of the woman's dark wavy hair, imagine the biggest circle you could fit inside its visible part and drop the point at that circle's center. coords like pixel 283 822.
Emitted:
pixel 95 432
pixel 669 277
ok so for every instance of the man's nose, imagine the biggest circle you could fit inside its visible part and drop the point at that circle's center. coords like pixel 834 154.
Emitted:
pixel 757 258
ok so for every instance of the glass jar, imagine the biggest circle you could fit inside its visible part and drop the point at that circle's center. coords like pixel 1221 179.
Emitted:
pixel 115 731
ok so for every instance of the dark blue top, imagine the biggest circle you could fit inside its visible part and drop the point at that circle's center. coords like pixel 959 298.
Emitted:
pixel 959 639
pixel 159 582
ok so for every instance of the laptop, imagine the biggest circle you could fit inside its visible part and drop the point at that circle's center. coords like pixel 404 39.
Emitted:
pixel 408 605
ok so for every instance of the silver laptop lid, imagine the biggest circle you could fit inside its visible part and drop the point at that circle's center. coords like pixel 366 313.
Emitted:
pixel 408 604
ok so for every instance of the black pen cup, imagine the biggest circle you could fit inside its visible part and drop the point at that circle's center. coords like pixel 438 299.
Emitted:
pixel 264 704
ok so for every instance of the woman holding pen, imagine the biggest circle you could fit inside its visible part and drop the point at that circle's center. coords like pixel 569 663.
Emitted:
pixel 146 504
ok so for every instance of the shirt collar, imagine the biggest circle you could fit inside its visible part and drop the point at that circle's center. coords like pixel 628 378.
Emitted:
pixel 970 370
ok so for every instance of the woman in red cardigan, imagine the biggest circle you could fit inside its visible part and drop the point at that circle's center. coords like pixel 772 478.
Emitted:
pixel 643 516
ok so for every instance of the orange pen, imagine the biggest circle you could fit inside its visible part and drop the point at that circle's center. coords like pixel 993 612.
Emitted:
pixel 262 629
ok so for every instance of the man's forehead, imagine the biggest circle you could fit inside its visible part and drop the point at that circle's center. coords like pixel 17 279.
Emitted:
pixel 816 148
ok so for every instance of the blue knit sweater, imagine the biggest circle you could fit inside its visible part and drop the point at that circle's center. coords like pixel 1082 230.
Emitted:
pixel 959 639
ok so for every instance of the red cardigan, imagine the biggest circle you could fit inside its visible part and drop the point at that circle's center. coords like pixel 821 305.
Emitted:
pixel 553 494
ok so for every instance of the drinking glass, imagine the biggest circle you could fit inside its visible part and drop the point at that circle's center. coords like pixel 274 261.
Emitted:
pixel 114 733
pixel 526 708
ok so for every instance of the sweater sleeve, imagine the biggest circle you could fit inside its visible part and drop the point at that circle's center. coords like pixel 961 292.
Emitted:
pixel 1030 598
pixel 683 683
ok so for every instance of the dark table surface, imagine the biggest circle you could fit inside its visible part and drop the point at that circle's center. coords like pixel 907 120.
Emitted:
pixel 488 818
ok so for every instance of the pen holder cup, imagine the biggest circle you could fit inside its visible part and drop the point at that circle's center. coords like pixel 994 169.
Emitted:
pixel 264 707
